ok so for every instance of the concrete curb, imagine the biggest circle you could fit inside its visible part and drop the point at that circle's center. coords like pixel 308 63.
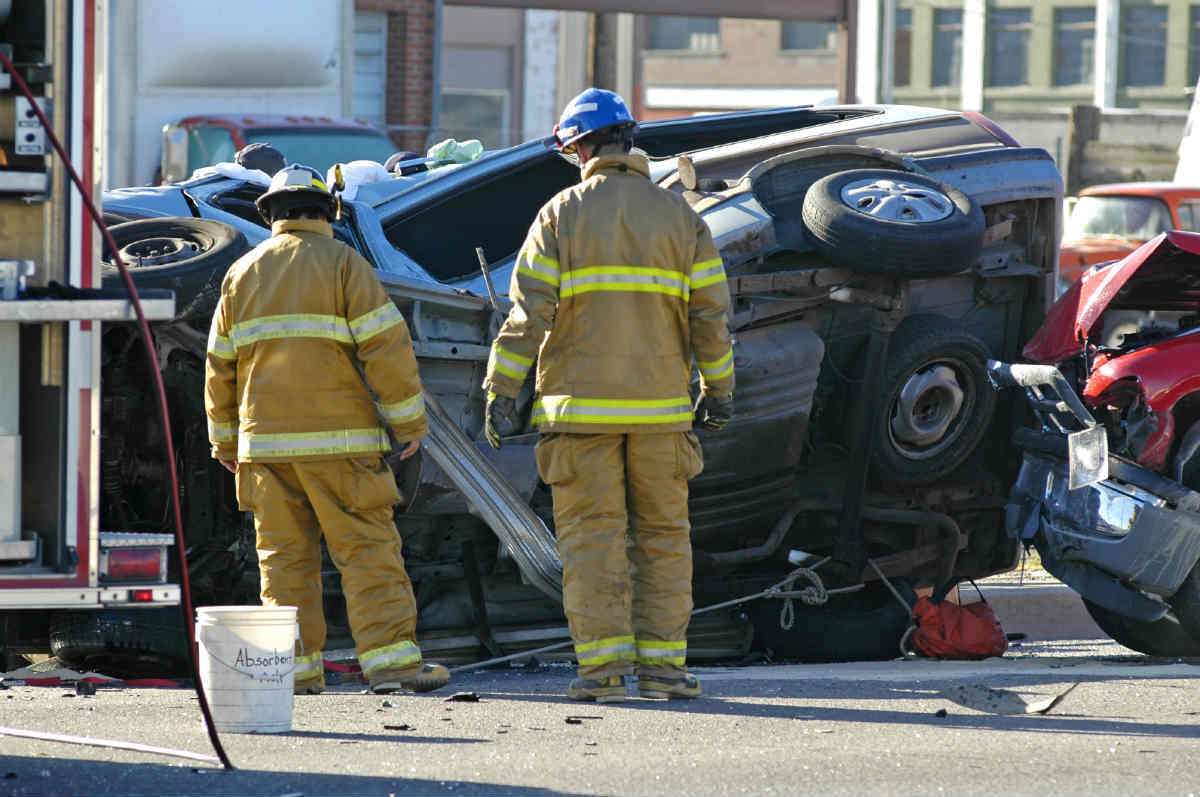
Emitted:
pixel 1041 611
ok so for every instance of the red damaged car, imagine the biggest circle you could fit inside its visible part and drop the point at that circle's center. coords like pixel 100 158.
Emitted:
pixel 1109 487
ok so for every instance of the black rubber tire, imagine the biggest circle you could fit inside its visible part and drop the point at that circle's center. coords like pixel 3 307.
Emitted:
pixel 1185 603
pixel 919 343
pixel 860 626
pixel 122 643
pixel 1160 638
pixel 198 253
pixel 869 244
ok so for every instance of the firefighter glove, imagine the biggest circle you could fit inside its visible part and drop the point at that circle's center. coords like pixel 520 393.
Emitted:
pixel 713 412
pixel 500 418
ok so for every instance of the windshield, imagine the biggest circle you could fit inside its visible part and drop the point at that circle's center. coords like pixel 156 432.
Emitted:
pixel 321 147
pixel 1137 217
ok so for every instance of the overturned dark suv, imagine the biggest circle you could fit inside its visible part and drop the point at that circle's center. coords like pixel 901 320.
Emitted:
pixel 877 257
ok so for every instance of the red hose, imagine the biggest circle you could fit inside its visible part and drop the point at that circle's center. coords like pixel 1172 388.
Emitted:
pixel 148 339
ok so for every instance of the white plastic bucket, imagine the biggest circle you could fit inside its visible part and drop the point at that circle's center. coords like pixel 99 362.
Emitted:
pixel 247 665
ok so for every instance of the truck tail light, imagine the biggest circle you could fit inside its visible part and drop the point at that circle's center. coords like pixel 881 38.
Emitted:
pixel 141 595
pixel 133 564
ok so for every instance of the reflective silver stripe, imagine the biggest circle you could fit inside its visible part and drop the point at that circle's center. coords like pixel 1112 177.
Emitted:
pixel 605 650
pixel 707 272
pixel 401 654
pixel 509 363
pixel 625 278
pixel 670 651
pixel 220 346
pixel 717 369
pixel 222 432
pixel 291 326
pixel 371 324
pixel 539 266
pixel 346 441
pixel 404 411
pixel 310 666
pixel 553 409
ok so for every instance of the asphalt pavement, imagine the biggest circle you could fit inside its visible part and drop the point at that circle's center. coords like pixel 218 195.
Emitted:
pixel 1123 724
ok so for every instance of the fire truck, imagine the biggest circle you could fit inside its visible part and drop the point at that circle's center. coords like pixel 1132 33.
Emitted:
pixel 55 560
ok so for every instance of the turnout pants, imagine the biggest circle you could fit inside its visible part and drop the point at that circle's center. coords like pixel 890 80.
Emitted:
pixel 350 502
pixel 620 514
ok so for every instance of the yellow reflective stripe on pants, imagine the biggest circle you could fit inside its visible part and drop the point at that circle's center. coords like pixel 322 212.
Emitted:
pixel 604 651
pixel 342 441
pixel 510 363
pixel 707 272
pixel 557 409
pixel 222 432
pixel 399 656
pixel 404 411
pixel 657 652
pixel 717 369
pixel 640 279
pixel 310 666
pixel 370 324
pixel 295 325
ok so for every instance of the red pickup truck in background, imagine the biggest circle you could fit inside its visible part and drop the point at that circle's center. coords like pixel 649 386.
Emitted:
pixel 316 141
pixel 1108 222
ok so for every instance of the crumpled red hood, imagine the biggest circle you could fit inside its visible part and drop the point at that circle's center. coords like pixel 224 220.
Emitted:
pixel 1167 270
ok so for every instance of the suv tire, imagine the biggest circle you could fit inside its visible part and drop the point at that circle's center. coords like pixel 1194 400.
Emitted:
pixel 887 221
pixel 185 255
pixel 937 403
pixel 1160 638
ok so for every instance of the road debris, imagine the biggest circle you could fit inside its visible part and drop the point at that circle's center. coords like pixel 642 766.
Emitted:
pixel 577 719
pixel 1000 701
pixel 86 688
pixel 463 697
pixel 403 727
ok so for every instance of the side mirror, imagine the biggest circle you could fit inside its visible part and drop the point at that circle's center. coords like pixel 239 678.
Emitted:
pixel 174 153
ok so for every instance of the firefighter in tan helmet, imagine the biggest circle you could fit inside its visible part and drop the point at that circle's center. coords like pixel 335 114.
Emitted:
pixel 616 289
pixel 301 316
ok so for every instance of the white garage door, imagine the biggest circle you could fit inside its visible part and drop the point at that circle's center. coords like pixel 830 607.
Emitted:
pixel 370 66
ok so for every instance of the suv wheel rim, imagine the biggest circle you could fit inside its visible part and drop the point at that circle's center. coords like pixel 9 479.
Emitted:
pixel 925 409
pixel 897 200
pixel 158 251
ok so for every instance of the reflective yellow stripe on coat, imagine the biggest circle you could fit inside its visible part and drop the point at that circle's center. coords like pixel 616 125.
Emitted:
pixel 640 279
pixel 345 442
pixel 556 409
pixel 292 325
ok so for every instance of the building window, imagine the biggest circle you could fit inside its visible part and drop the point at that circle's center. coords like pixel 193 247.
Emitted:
pixel 809 36
pixel 476 113
pixel 1144 45
pixel 685 33
pixel 902 54
pixel 1193 45
pixel 1074 40
pixel 947 46
pixel 1008 47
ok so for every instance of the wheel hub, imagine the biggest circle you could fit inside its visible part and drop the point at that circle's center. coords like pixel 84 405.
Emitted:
pixel 927 405
pixel 158 251
pixel 897 200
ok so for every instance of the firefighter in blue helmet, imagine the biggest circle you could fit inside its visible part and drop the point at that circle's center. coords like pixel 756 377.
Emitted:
pixel 617 288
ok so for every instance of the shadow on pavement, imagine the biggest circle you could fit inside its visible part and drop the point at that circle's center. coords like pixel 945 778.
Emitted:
pixel 24 775
pixel 729 697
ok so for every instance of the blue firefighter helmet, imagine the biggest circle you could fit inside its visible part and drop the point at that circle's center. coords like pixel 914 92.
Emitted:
pixel 591 111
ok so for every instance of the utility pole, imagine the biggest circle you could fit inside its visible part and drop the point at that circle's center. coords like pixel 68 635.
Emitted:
pixel 603 67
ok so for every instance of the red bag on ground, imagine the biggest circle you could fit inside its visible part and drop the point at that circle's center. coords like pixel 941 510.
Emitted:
pixel 945 630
